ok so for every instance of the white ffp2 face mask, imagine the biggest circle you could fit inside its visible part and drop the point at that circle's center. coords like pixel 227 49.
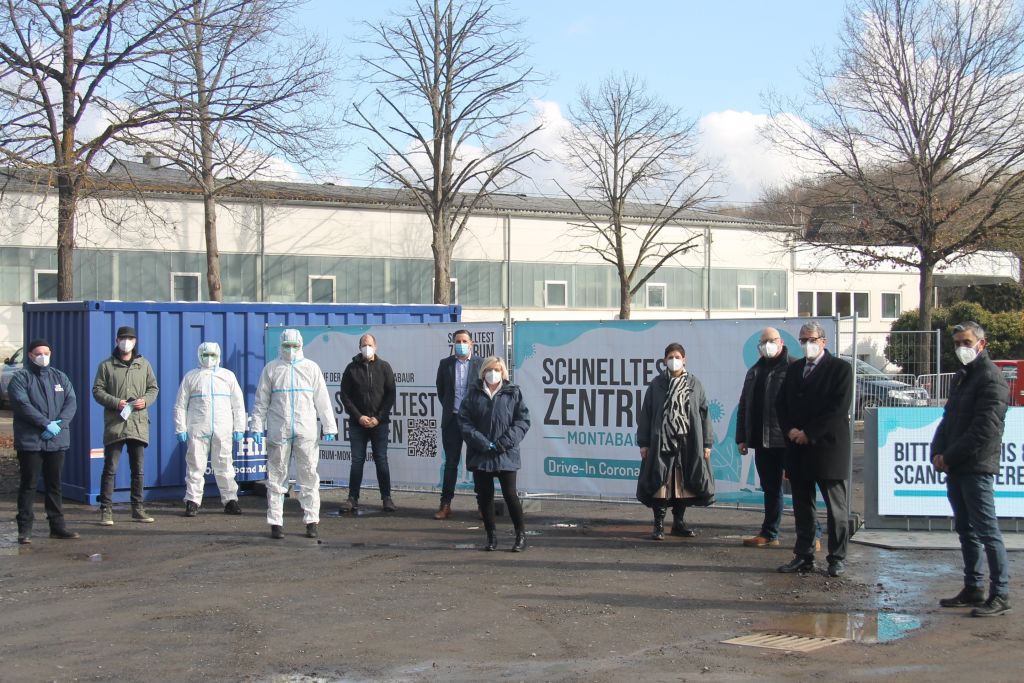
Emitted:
pixel 768 349
pixel 966 354
pixel 368 352
pixel 125 345
pixel 674 364
pixel 492 376
pixel 812 350
pixel 42 360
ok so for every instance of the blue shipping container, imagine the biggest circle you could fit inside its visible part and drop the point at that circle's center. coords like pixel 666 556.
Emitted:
pixel 82 335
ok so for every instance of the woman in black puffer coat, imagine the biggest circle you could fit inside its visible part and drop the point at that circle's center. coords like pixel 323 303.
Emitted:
pixel 494 419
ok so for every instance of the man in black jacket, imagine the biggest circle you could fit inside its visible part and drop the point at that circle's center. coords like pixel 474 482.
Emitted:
pixel 757 427
pixel 814 414
pixel 455 374
pixel 368 394
pixel 966 446
pixel 43 403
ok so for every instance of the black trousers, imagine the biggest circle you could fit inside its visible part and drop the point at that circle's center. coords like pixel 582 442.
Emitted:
pixel 111 456
pixel 451 442
pixel 483 484
pixel 31 463
pixel 834 492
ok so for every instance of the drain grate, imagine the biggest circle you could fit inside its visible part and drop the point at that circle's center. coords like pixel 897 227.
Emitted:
pixel 785 641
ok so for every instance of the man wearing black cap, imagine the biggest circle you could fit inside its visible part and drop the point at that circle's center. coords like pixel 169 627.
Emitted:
pixel 43 403
pixel 125 386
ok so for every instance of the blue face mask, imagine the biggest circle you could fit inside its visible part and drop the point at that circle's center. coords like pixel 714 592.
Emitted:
pixel 462 349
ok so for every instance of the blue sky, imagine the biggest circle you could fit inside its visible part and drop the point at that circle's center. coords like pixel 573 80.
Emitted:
pixel 711 59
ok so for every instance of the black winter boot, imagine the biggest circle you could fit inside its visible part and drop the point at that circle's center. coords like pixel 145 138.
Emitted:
pixel 520 544
pixel 492 540
pixel 658 534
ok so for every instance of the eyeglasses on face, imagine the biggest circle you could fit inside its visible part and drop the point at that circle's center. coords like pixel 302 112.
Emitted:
pixel 808 340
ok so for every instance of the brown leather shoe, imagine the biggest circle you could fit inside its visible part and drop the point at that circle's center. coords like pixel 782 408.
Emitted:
pixel 760 542
pixel 443 512
pixel 817 545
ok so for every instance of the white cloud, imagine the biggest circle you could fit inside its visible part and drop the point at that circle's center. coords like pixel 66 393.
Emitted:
pixel 748 162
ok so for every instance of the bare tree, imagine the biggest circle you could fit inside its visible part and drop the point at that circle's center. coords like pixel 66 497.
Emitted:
pixel 63 66
pixel 918 129
pixel 449 86
pixel 249 91
pixel 637 160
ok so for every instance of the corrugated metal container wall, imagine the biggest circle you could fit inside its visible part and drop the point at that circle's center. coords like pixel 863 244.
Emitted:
pixel 82 335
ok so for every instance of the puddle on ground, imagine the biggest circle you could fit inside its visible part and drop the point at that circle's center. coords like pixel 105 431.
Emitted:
pixel 465 546
pixel 565 525
pixel 860 627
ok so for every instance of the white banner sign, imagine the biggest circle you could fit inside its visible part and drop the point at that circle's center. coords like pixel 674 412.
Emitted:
pixel 413 350
pixel 909 486
pixel 584 383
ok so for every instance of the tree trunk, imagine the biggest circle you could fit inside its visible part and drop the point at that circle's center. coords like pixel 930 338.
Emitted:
pixel 213 283
pixel 442 248
pixel 625 300
pixel 67 206
pixel 926 285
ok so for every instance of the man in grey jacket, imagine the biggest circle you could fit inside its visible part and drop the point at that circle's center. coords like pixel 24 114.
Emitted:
pixel 125 386
pixel 967 446
pixel 757 427
pixel 43 403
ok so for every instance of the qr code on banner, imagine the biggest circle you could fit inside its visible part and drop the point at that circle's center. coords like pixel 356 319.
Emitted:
pixel 423 438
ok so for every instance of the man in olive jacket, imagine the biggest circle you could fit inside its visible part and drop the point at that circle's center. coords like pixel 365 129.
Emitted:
pixel 125 386
pixel 967 445
pixel 814 413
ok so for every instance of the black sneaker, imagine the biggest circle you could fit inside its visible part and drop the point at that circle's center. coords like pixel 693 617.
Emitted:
pixel 797 565
pixel 388 505
pixel 276 531
pixel 680 529
pixel 232 508
pixel 993 607
pixel 837 568
pixel 312 531
pixel 967 597
pixel 191 509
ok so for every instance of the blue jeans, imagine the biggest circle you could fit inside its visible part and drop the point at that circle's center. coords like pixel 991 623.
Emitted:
pixel 974 516
pixel 769 464
pixel 377 437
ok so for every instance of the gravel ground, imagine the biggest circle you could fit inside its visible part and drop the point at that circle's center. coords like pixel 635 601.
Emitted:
pixel 403 597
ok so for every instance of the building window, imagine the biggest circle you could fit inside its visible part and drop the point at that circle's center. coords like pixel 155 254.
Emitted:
pixel 185 286
pixel 891 305
pixel 556 294
pixel 321 289
pixel 45 285
pixel 655 295
pixel 829 304
pixel 453 289
pixel 746 296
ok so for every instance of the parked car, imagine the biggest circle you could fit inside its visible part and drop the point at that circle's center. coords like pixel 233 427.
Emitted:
pixel 1013 373
pixel 876 389
pixel 11 365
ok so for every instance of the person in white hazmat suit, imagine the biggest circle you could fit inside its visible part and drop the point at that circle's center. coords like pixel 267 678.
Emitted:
pixel 290 395
pixel 209 416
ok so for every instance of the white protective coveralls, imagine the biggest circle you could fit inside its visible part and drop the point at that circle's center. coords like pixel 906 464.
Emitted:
pixel 210 408
pixel 290 395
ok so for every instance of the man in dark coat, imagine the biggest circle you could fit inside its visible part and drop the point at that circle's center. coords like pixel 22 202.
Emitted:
pixel 757 427
pixel 368 394
pixel 455 374
pixel 43 403
pixel 814 413
pixel 967 446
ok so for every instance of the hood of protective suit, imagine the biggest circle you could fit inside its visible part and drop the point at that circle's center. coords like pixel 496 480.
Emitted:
pixel 207 348
pixel 291 337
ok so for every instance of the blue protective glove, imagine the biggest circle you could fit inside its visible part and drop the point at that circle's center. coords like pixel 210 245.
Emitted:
pixel 237 436
pixel 257 438
pixel 491 446
pixel 330 437
pixel 182 437
pixel 53 429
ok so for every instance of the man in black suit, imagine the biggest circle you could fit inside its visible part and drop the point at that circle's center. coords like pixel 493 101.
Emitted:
pixel 813 408
pixel 455 374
